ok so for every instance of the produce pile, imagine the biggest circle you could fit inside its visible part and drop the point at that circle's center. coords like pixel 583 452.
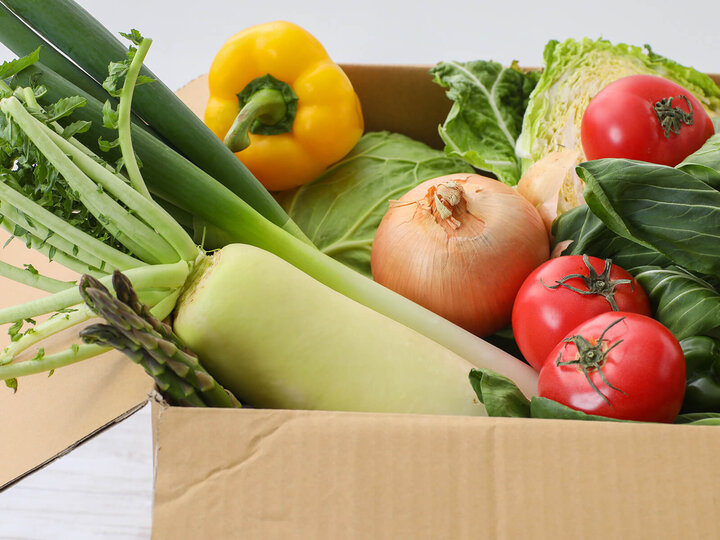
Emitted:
pixel 558 259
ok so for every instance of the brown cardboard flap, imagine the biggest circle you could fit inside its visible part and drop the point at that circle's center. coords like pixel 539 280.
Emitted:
pixel 50 415
pixel 265 474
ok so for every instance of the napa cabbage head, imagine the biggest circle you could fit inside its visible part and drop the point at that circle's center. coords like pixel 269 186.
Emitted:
pixel 573 72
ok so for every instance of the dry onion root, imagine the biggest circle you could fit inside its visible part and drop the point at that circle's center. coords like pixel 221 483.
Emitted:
pixel 461 246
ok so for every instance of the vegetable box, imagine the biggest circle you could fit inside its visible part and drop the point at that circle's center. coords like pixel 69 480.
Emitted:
pixel 299 474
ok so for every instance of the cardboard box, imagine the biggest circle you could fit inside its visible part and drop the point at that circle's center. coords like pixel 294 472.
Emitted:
pixel 262 474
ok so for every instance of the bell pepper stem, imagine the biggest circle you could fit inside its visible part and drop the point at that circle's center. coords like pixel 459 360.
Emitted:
pixel 267 106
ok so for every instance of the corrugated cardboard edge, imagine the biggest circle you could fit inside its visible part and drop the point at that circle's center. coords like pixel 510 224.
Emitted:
pixel 73 446
pixel 264 474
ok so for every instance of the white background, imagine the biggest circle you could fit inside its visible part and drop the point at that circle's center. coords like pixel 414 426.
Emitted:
pixel 104 488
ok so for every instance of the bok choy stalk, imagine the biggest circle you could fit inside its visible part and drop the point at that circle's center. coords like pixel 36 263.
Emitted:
pixel 145 238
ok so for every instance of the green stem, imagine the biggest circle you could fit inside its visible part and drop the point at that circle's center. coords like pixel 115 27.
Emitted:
pixel 163 301
pixel 52 361
pixel 152 213
pixel 128 230
pixel 124 110
pixel 29 97
pixel 112 257
pixel 66 260
pixel 171 276
pixel 37 281
pixel 75 354
pixel 267 105
pixel 46 237
pixel 56 323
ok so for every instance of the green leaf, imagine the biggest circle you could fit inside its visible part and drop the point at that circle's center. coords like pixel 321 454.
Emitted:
pixel 705 163
pixel 143 79
pixel 116 74
pixel 499 394
pixel 134 36
pixel 8 69
pixel 14 331
pixel 659 207
pixel 699 419
pixel 489 102
pixel 682 301
pixel 106 146
pixel 64 107
pixel 590 236
pixel 110 116
pixel 75 128
pixel 341 210
pixel 541 407
pixel 12 384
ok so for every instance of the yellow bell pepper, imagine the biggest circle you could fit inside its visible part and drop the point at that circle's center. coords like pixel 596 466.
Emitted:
pixel 281 104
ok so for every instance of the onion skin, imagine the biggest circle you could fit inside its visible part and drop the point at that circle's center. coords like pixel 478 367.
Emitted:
pixel 468 268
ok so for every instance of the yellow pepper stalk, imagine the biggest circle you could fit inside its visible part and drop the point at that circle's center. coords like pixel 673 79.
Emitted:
pixel 281 104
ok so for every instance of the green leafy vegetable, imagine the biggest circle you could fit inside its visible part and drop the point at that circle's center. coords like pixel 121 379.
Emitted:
pixel 658 207
pixel 340 210
pixel 705 163
pixel 574 71
pixel 587 234
pixel 541 407
pixel 486 117
pixel 499 394
pixel 699 419
pixel 8 69
pixel 685 303
pixel 702 361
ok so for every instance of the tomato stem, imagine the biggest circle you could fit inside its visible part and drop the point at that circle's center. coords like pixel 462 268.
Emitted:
pixel 671 118
pixel 596 283
pixel 592 357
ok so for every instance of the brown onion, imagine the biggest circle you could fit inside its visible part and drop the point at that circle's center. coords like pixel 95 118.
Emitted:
pixel 461 246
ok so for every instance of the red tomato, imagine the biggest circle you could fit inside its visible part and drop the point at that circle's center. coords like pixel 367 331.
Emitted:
pixel 618 364
pixel 548 304
pixel 621 121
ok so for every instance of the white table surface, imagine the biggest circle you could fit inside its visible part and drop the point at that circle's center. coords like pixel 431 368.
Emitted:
pixel 103 489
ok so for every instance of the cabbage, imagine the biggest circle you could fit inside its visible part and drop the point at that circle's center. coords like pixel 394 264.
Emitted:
pixel 574 71
pixel 489 102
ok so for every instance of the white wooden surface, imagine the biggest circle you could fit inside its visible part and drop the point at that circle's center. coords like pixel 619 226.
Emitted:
pixel 103 489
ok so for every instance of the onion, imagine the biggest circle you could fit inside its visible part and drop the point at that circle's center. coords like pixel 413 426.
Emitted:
pixel 461 246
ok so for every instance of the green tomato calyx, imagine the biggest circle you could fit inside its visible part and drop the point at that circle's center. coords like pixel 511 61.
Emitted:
pixel 672 118
pixel 596 283
pixel 592 357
